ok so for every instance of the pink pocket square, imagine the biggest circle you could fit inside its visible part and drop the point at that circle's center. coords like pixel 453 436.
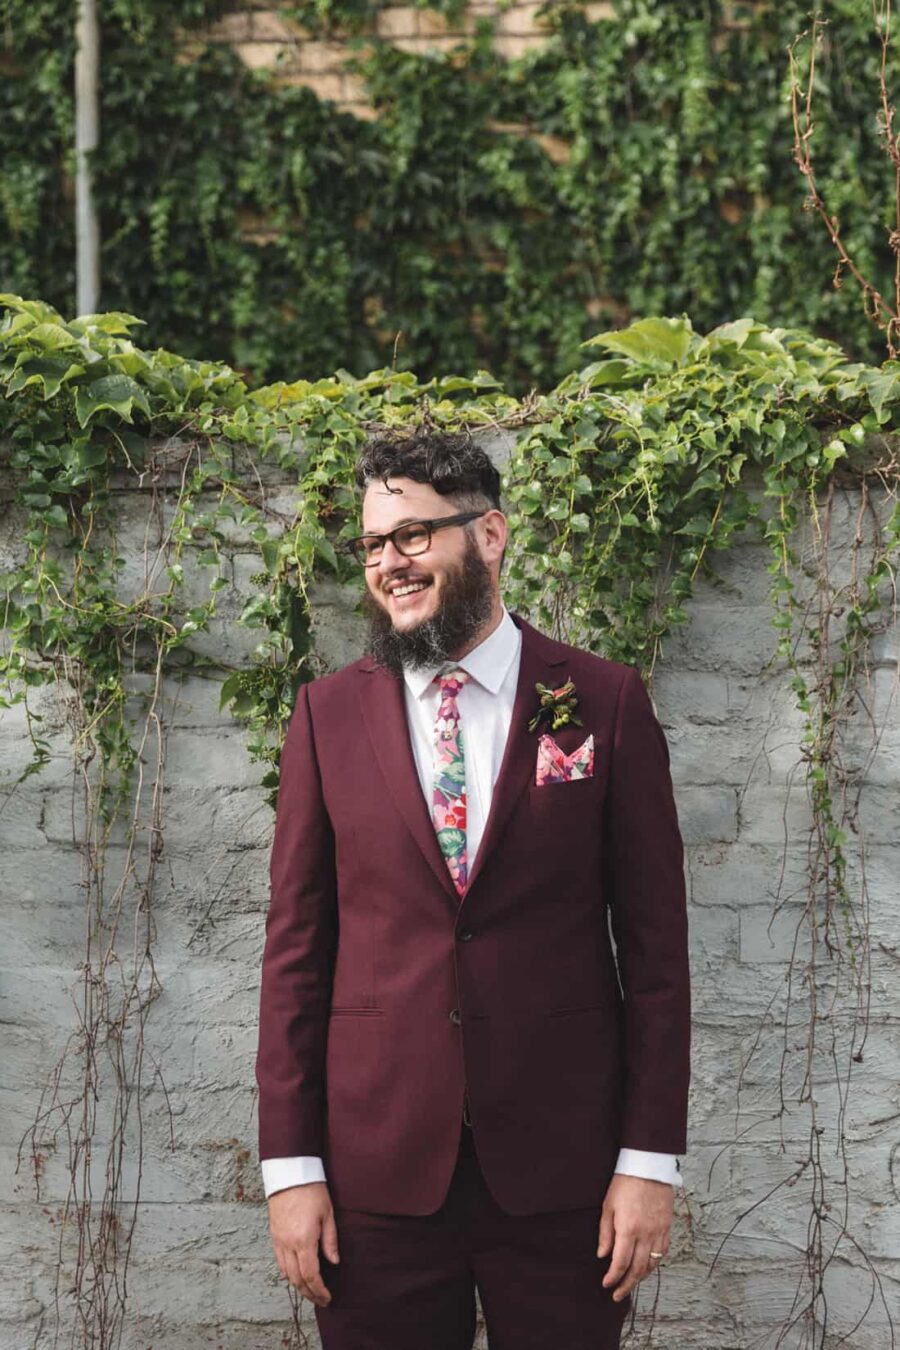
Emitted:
pixel 555 766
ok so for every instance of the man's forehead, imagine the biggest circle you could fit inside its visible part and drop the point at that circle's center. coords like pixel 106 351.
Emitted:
pixel 397 500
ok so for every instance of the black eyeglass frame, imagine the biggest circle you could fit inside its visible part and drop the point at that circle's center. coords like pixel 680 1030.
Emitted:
pixel 353 545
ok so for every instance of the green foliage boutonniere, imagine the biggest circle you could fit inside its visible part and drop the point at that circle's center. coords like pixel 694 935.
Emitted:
pixel 557 707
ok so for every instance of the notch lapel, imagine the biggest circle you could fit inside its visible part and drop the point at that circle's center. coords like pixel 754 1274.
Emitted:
pixel 539 662
pixel 384 713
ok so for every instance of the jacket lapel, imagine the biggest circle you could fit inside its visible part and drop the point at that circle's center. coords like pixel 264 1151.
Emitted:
pixel 540 660
pixel 384 713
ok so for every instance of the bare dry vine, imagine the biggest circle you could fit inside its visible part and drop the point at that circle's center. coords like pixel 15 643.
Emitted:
pixel 820 1011
pixel 883 313
pixel 93 1099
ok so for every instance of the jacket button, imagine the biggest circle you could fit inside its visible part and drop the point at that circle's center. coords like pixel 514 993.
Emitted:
pixel 455 1017
pixel 466 935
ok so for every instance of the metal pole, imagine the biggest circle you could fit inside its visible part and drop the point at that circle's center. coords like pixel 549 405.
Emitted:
pixel 87 138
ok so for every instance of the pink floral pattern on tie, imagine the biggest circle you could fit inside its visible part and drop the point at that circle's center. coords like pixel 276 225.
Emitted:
pixel 448 799
pixel 555 766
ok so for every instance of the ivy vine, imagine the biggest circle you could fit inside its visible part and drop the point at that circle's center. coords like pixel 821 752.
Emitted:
pixel 257 225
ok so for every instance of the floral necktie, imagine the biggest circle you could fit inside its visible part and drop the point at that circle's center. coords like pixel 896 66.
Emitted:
pixel 448 798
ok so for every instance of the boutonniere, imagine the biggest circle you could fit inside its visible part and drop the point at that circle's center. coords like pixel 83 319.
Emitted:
pixel 557 707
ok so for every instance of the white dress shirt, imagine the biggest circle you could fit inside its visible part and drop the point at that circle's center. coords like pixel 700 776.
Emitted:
pixel 485 712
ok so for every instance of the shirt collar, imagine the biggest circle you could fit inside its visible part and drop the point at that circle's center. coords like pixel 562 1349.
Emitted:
pixel 488 663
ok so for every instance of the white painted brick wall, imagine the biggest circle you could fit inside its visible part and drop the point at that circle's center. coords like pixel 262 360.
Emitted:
pixel 202 1273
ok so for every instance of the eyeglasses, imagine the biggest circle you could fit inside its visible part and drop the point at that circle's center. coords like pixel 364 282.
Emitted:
pixel 409 539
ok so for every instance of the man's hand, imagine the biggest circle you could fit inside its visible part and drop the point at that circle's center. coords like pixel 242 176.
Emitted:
pixel 299 1218
pixel 636 1219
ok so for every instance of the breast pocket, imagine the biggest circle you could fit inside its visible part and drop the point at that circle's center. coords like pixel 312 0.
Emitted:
pixel 557 765
pixel 559 828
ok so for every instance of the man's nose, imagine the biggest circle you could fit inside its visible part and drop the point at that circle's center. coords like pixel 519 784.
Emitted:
pixel 392 560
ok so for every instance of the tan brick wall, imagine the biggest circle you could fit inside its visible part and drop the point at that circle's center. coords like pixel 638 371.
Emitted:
pixel 267 40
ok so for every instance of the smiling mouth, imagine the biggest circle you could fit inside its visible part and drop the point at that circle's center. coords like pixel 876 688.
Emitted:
pixel 408 588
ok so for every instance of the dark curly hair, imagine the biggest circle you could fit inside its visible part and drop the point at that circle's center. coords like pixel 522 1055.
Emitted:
pixel 450 462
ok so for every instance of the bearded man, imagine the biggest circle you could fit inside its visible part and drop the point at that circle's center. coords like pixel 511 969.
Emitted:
pixel 474 1030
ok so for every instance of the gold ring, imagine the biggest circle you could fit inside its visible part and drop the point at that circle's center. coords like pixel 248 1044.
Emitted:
pixel 657 1254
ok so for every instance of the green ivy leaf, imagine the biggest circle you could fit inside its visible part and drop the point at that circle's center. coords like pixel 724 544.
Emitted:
pixel 270 549
pixel 50 336
pixel 652 342
pixel 833 451
pixel 48 371
pixel 698 525
pixel 113 393
pixel 325 551
pixel 881 385
pixel 113 322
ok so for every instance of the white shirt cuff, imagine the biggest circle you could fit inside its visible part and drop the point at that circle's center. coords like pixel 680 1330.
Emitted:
pixel 280 1173
pixel 636 1162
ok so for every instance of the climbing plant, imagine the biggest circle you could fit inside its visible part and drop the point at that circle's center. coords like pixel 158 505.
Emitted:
pixel 250 222
pixel 355 16
pixel 626 478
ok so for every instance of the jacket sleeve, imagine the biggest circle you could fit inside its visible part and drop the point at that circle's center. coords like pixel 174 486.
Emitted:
pixel 298 959
pixel 644 874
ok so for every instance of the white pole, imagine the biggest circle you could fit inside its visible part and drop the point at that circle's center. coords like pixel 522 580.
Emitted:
pixel 87 138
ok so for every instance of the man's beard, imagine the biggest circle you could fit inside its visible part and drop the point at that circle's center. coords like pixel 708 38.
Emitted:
pixel 466 606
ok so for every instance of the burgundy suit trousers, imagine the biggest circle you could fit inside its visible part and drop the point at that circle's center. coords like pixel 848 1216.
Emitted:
pixel 407 1282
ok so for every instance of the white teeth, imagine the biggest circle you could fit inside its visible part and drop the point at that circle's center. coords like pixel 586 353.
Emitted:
pixel 408 590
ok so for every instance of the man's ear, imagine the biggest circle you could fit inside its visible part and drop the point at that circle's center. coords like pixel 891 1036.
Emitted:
pixel 494 533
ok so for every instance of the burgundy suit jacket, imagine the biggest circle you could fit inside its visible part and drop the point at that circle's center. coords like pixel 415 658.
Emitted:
pixel 384 999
